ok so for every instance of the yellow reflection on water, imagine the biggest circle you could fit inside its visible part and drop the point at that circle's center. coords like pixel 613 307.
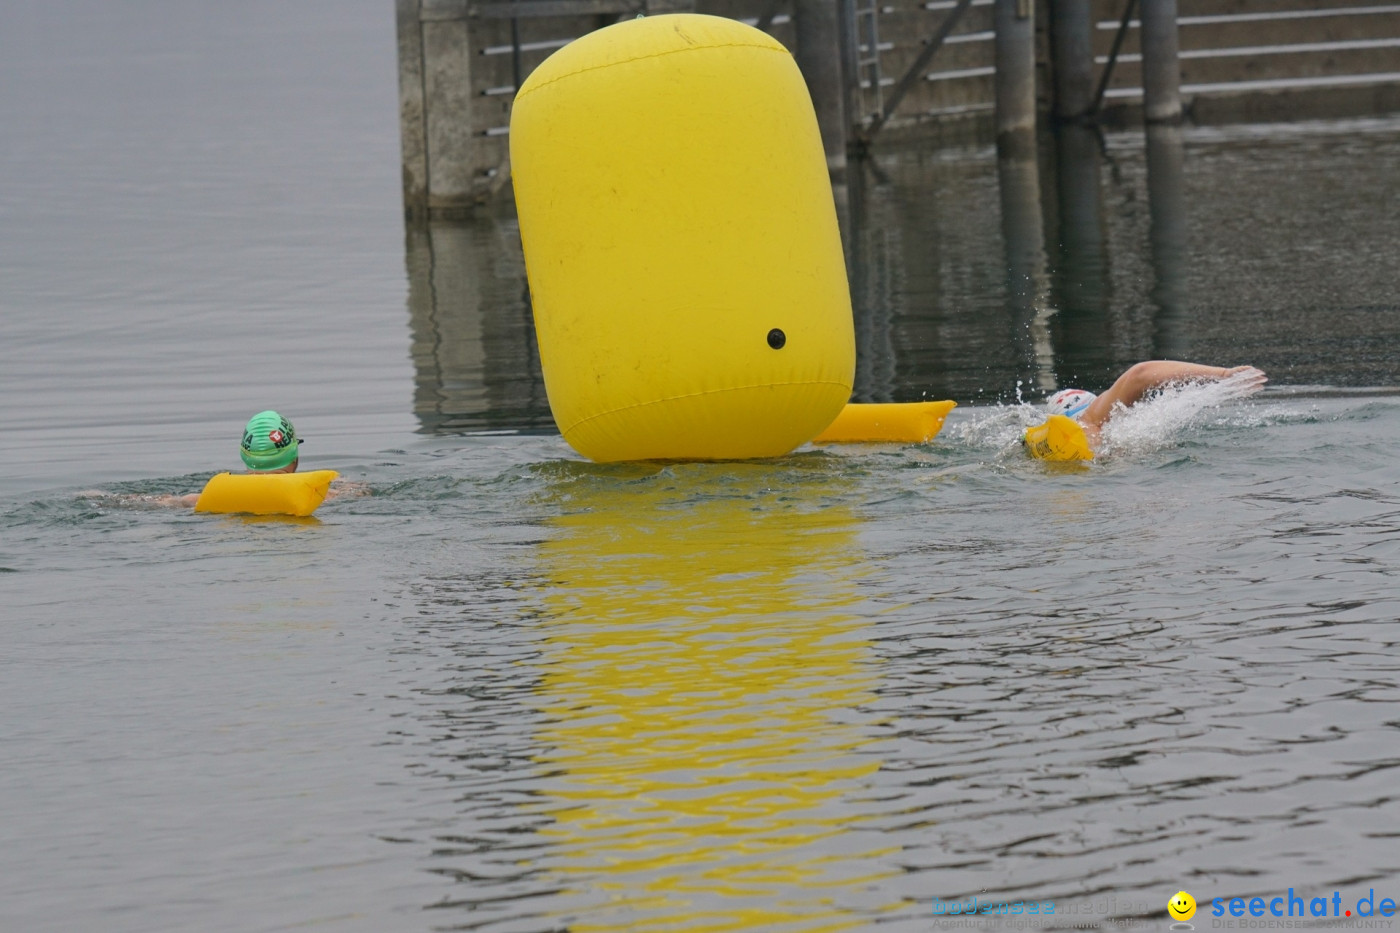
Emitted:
pixel 704 668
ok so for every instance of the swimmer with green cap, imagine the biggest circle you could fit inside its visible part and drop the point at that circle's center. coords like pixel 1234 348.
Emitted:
pixel 270 444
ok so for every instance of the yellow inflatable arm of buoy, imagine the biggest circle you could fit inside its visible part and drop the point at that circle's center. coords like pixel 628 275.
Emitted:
pixel 266 493
pixel 896 422
pixel 1059 438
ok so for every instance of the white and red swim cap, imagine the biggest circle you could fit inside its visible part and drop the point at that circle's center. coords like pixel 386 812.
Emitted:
pixel 1069 402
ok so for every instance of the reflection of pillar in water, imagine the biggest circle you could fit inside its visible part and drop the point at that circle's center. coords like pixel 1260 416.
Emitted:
pixel 874 248
pixel 1167 234
pixel 1023 232
pixel 703 667
pixel 474 357
pixel 1081 330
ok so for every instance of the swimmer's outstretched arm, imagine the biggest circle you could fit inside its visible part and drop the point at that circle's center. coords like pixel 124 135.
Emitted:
pixel 163 500
pixel 339 488
pixel 348 489
pixel 1142 378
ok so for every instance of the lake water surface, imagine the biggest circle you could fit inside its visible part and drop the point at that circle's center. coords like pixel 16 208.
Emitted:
pixel 511 690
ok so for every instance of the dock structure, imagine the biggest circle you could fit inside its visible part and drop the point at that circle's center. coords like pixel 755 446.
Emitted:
pixel 460 62
pixel 888 73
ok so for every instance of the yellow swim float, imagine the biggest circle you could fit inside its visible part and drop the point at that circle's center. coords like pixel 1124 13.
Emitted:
pixel 685 265
pixel 265 493
pixel 1059 438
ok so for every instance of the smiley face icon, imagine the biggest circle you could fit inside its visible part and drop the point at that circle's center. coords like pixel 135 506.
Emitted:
pixel 1182 906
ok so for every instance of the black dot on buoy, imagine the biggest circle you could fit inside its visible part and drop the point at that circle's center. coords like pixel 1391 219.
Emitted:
pixel 776 338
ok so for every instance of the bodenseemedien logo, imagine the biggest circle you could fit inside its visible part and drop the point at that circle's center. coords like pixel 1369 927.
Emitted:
pixel 998 907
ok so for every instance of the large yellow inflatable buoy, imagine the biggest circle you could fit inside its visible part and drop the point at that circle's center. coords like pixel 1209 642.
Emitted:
pixel 265 493
pixel 681 243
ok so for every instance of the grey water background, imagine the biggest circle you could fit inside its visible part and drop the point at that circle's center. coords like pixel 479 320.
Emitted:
pixel 511 690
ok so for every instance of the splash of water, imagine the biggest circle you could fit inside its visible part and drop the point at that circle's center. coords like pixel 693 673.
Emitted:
pixel 995 430
pixel 1159 420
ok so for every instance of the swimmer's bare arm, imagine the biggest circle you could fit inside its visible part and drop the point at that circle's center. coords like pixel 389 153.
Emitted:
pixel 170 501
pixel 337 489
pixel 348 489
pixel 1142 378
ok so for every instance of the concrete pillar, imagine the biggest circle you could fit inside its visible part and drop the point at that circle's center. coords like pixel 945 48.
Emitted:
pixel 1161 67
pixel 450 130
pixel 849 46
pixel 1015 76
pixel 1072 48
pixel 817 24
pixel 412 132
pixel 445 162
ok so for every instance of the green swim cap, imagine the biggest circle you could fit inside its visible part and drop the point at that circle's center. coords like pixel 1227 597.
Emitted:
pixel 269 442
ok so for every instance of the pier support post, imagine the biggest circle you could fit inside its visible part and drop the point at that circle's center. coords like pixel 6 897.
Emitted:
pixel 1072 49
pixel 1161 67
pixel 817 24
pixel 1015 76
pixel 849 48
pixel 454 101
pixel 412 111
pixel 443 146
